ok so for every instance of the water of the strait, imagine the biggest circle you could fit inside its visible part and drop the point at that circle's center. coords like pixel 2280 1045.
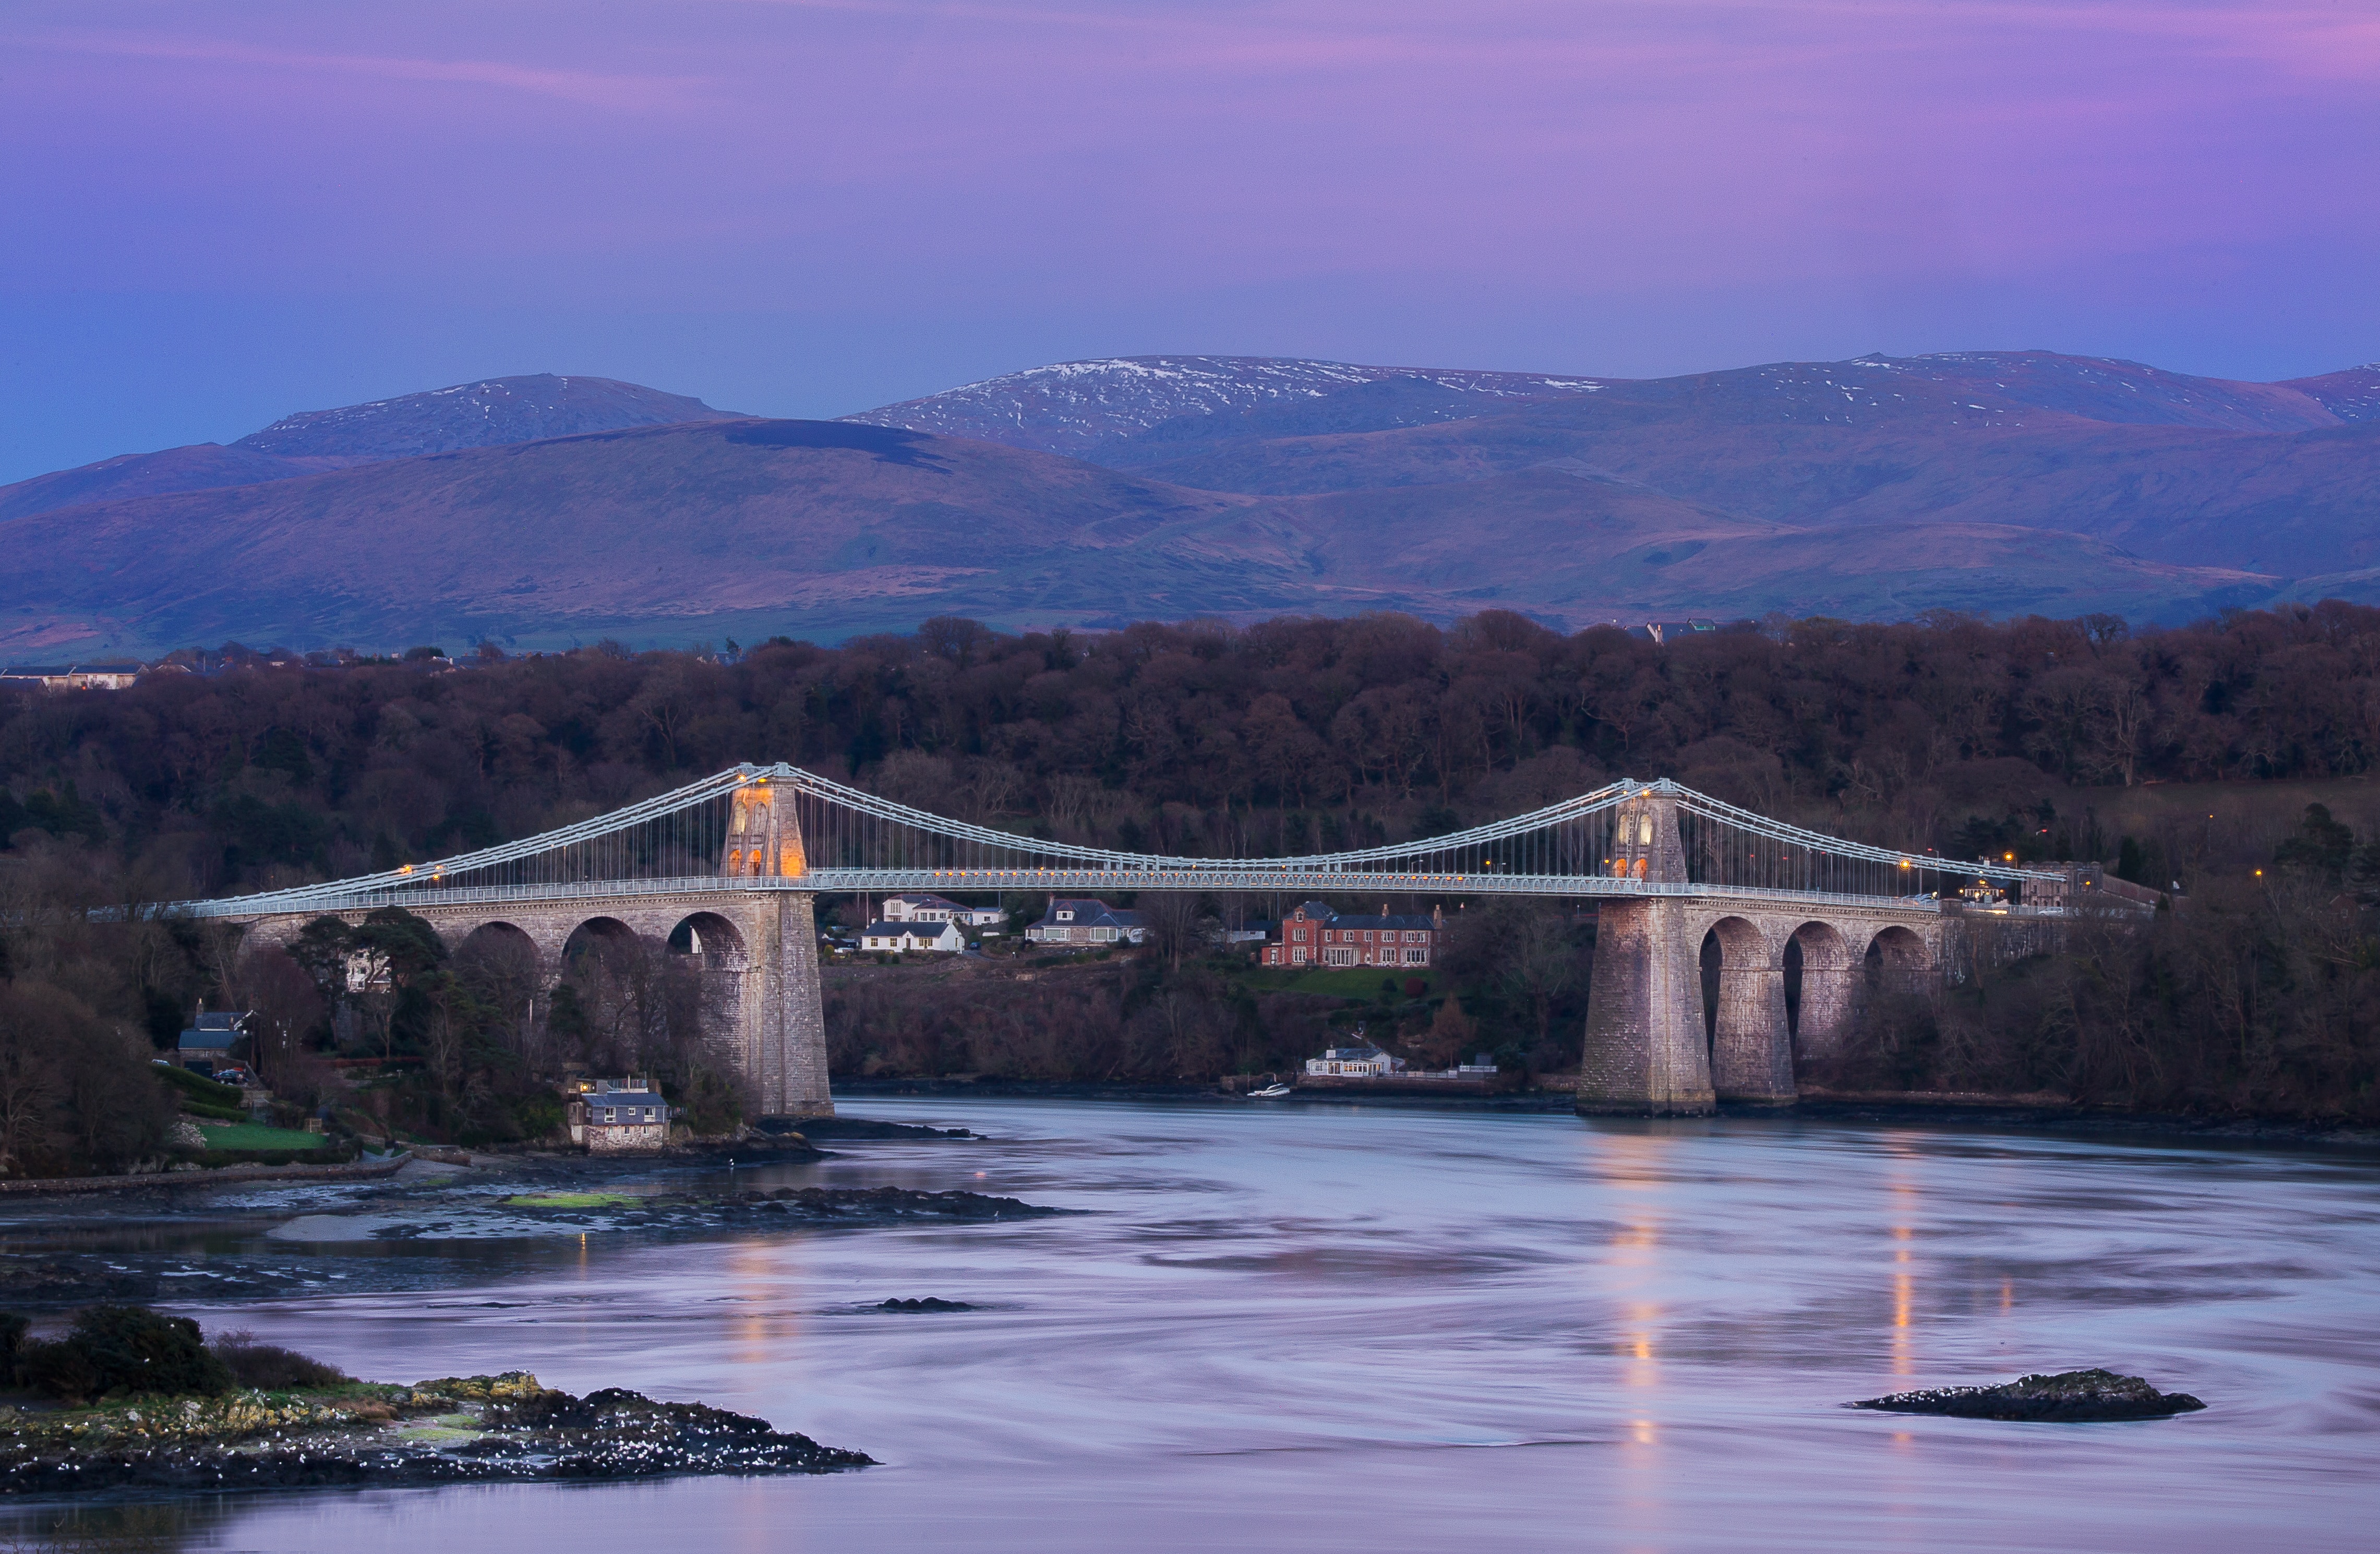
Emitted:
pixel 1378 1330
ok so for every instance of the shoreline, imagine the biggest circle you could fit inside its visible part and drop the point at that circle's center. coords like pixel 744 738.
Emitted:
pixel 2032 1112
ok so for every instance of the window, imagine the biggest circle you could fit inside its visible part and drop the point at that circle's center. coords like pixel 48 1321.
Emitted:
pixel 1297 957
pixel 1103 936
pixel 1065 917
pixel 1417 957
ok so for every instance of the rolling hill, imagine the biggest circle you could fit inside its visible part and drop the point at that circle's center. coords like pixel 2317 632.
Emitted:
pixel 826 530
pixel 1097 493
pixel 484 414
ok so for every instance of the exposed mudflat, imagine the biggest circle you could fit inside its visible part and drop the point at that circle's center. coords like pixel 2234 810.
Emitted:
pixel 245 1241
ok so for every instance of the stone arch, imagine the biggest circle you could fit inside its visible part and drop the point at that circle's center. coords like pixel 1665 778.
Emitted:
pixel 597 933
pixel 500 939
pixel 1818 975
pixel 1898 946
pixel 716 938
pixel 1897 961
pixel 502 964
pixel 1751 1055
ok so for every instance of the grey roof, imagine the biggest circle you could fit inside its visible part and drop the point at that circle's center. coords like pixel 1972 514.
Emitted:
pixel 1089 912
pixel 207 1041
pixel 893 931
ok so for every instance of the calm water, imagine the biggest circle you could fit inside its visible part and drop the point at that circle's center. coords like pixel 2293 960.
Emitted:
pixel 1376 1329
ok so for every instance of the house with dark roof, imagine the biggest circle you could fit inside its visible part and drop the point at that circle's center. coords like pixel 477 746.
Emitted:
pixel 628 1115
pixel 1085 922
pixel 206 1046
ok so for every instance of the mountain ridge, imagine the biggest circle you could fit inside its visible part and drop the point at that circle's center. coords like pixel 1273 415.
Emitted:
pixel 2004 482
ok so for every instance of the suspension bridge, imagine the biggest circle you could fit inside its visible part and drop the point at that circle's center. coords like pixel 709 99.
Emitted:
pixel 729 869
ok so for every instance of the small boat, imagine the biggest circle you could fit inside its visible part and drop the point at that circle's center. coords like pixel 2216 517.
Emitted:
pixel 1269 1092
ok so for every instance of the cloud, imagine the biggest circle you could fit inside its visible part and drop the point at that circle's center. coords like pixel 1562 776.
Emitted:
pixel 592 88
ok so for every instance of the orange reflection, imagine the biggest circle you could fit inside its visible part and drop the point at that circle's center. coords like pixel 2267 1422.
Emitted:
pixel 754 1275
pixel 1637 1165
pixel 1904 1273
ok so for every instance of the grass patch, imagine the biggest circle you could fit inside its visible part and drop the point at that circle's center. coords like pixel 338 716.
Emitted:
pixel 568 1201
pixel 197 1086
pixel 256 1135
pixel 1360 982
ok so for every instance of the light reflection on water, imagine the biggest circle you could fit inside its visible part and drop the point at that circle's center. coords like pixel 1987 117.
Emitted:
pixel 1376 1329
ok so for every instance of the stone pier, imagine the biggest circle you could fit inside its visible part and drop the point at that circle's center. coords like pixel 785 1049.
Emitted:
pixel 1654 1048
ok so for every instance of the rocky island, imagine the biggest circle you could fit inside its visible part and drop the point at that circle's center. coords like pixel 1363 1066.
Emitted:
pixel 2069 1397
pixel 130 1400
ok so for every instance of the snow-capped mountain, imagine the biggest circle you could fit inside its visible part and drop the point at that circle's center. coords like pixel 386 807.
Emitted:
pixel 1083 407
pixel 481 415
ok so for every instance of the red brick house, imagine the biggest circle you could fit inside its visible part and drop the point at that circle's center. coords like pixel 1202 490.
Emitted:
pixel 1314 935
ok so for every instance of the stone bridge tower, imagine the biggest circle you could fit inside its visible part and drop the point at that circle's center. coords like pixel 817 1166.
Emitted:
pixel 1652 1047
pixel 756 950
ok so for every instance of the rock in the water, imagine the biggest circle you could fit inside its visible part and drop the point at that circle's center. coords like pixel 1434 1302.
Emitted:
pixel 2069 1397
pixel 927 1303
pixel 458 1429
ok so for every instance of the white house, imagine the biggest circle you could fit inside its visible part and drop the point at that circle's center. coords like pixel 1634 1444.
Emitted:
pixel 1084 920
pixel 1365 1061
pixel 115 677
pixel 937 909
pixel 942 938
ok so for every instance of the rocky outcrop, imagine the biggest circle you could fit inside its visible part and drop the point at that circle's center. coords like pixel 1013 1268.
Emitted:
pixel 455 1429
pixel 2069 1397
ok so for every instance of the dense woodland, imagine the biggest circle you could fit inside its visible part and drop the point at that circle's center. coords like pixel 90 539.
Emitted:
pixel 2258 992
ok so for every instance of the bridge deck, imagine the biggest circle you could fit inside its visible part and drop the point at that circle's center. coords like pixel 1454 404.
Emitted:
pixel 1089 881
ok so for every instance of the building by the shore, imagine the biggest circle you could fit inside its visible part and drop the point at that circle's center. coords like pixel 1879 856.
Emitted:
pixel 1361 1061
pixel 626 1115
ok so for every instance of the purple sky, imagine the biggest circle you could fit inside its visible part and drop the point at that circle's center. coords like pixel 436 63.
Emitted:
pixel 220 214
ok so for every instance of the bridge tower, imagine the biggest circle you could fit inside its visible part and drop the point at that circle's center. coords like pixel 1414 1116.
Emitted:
pixel 782 1010
pixel 1645 1050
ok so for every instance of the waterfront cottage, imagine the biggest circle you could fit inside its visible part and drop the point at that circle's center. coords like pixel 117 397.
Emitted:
pixel 628 1116
pixel 1363 1062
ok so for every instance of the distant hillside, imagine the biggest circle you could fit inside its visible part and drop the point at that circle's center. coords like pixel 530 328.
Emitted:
pixel 2001 482
pixel 485 414
pixel 199 466
pixel 2266 478
pixel 824 529
pixel 1082 408
pixel 2351 395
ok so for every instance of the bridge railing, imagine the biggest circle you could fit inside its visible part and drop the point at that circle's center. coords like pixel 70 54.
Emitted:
pixel 850 839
